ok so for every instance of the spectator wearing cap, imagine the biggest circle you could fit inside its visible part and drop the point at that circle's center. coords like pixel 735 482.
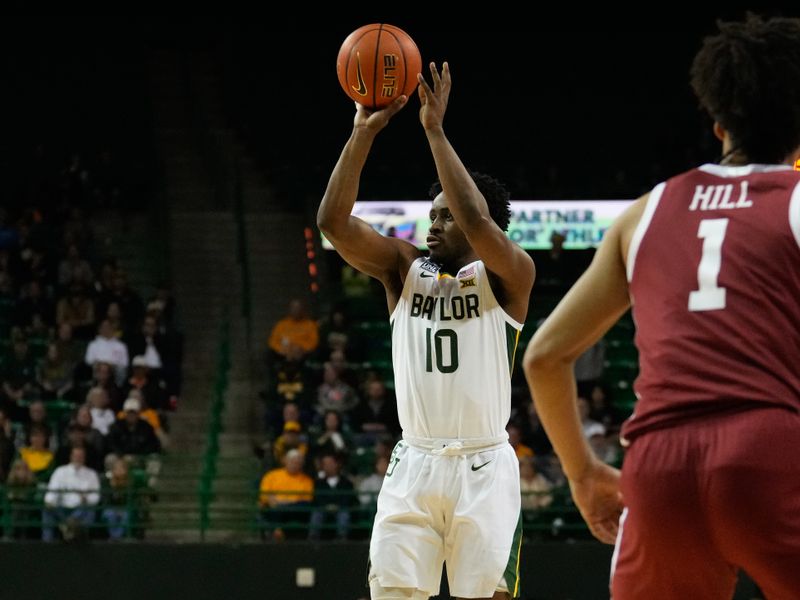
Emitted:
pixel 131 436
pixel 108 349
pixel 72 495
pixel 146 413
pixel 291 439
pixel 144 379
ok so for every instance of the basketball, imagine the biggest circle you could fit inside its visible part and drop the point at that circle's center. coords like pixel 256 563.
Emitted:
pixel 377 63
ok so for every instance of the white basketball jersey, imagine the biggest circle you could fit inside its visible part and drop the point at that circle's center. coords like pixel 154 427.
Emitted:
pixel 453 350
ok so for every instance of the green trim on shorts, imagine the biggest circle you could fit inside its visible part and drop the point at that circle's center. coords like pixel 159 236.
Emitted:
pixel 511 573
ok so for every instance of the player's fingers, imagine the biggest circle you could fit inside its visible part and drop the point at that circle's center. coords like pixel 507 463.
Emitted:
pixel 446 80
pixel 360 108
pixel 395 106
pixel 422 95
pixel 435 76
pixel 423 84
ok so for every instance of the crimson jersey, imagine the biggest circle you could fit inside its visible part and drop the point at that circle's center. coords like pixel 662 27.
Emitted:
pixel 714 273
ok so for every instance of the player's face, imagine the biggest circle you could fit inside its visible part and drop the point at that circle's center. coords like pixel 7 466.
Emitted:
pixel 445 239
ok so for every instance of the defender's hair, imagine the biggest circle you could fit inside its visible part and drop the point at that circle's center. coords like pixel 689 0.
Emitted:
pixel 748 79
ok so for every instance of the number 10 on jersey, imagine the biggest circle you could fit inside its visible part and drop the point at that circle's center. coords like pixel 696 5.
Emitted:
pixel 441 348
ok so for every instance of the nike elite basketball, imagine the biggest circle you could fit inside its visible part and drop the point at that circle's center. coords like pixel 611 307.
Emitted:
pixel 377 63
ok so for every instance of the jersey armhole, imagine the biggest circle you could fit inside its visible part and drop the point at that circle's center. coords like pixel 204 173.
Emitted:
pixel 641 227
pixel 508 318
pixel 405 283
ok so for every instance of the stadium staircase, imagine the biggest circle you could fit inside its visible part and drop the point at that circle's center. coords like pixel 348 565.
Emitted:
pixel 232 260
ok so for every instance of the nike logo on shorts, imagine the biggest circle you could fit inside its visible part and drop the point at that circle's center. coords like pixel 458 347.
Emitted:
pixel 426 275
pixel 474 468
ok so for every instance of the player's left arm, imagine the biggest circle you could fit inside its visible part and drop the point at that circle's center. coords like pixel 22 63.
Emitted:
pixel 502 257
pixel 598 299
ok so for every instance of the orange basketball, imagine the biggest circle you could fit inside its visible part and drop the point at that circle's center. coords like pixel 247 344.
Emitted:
pixel 377 63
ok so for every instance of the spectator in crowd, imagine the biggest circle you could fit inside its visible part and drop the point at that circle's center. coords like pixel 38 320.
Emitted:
pixel 71 349
pixel 94 442
pixel 34 303
pixel 105 282
pixel 73 492
pixel 589 367
pixel 291 439
pixel 335 333
pixel 85 437
pixel 74 270
pixel 117 501
pixel 36 454
pixel 297 330
pixel 132 436
pixel 77 230
pixel 114 317
pixel 347 374
pixel 602 411
pixel 37 418
pixel 370 486
pixel 147 413
pixel 335 394
pixel 515 439
pixel 76 309
pixel 533 432
pixel 148 383
pixel 377 412
pixel 102 416
pixel 19 374
pixel 129 301
pixel 162 349
pixel 333 496
pixel 534 486
pixel 55 375
pixel 285 494
pixel 591 427
pixel 104 378
pixel 20 492
pixel 162 306
pixel 148 343
pixel 290 380
pixel 331 438
pixel 108 349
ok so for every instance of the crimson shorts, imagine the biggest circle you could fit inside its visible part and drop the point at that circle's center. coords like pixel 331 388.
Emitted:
pixel 706 498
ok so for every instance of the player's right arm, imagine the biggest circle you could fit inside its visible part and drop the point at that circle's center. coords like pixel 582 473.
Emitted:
pixel 355 240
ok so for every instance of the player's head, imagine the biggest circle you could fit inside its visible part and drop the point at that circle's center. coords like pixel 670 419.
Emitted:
pixel 450 239
pixel 748 79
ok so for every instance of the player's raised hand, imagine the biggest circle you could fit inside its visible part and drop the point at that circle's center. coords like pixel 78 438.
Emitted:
pixel 599 500
pixel 434 101
pixel 375 120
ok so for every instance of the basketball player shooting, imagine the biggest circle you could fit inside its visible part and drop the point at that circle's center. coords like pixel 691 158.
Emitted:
pixel 451 493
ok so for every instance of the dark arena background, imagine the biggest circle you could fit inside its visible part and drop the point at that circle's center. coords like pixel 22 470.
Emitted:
pixel 160 180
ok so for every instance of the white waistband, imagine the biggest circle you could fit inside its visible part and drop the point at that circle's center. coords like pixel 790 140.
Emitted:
pixel 455 447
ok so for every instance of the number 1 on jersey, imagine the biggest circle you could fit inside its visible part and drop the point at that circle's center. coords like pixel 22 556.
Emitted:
pixel 438 338
pixel 709 296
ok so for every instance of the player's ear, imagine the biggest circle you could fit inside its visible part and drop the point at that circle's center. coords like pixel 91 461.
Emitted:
pixel 719 131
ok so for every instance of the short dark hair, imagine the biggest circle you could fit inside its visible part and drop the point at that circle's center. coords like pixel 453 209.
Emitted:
pixel 498 199
pixel 748 79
